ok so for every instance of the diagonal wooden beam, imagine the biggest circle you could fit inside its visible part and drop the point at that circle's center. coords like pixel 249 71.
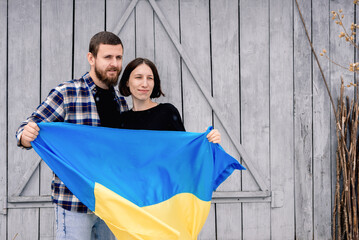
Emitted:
pixel 26 177
pixel 124 17
pixel 206 93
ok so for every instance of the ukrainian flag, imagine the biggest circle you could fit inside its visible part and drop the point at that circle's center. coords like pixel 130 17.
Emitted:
pixel 143 184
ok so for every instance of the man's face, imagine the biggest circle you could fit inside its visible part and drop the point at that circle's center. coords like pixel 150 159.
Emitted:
pixel 108 63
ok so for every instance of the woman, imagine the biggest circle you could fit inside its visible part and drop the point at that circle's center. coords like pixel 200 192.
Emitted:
pixel 140 79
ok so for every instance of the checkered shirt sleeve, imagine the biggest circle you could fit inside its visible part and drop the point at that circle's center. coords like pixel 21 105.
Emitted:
pixel 71 102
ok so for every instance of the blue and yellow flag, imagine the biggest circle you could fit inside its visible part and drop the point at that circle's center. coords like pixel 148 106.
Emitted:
pixel 143 184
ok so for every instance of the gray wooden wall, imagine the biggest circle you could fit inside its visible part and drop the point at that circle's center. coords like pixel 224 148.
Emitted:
pixel 244 66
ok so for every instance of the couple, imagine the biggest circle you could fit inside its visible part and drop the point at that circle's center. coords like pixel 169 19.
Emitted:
pixel 93 100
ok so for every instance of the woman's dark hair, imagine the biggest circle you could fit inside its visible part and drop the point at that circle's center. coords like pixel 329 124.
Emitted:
pixel 125 91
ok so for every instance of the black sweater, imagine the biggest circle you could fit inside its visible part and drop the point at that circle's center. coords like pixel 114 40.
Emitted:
pixel 164 116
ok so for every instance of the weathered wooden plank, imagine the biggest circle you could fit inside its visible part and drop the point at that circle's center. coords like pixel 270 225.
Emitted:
pixel 167 58
pixel 56 44
pixel 23 223
pixel 235 194
pixel 196 111
pixel 197 114
pixel 281 117
pixel 229 223
pixel 27 205
pixel 322 113
pixel 254 59
pixel 47 224
pixel 28 199
pixel 24 79
pixel 145 43
pixel 3 117
pixel 225 73
pixel 90 19
pixel 303 142
pixel 209 229
pixel 23 97
pixel 228 200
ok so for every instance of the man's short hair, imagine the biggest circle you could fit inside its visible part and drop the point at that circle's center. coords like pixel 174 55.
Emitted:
pixel 103 38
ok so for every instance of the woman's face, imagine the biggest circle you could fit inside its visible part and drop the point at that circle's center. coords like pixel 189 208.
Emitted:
pixel 141 82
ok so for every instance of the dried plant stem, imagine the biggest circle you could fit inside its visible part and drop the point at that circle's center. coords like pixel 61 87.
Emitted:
pixel 352 170
pixel 345 31
pixel 335 63
pixel 337 195
pixel 346 201
pixel 15 236
pixel 347 35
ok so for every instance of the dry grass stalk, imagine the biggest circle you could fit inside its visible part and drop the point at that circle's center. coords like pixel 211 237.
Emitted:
pixel 345 212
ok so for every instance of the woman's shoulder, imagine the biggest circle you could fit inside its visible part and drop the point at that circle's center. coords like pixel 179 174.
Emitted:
pixel 173 117
pixel 168 106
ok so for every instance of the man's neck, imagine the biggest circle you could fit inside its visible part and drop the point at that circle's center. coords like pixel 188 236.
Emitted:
pixel 97 81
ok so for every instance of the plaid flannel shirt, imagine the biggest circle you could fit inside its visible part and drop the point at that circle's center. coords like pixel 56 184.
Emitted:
pixel 71 102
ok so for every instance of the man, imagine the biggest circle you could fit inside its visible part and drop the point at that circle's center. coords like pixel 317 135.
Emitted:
pixel 90 100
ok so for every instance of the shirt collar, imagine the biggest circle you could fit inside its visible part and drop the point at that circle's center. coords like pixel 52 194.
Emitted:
pixel 91 84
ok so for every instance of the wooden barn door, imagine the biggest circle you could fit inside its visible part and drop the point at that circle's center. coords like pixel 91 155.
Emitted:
pixel 205 74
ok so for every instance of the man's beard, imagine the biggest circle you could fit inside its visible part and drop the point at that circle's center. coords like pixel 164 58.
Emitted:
pixel 109 81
